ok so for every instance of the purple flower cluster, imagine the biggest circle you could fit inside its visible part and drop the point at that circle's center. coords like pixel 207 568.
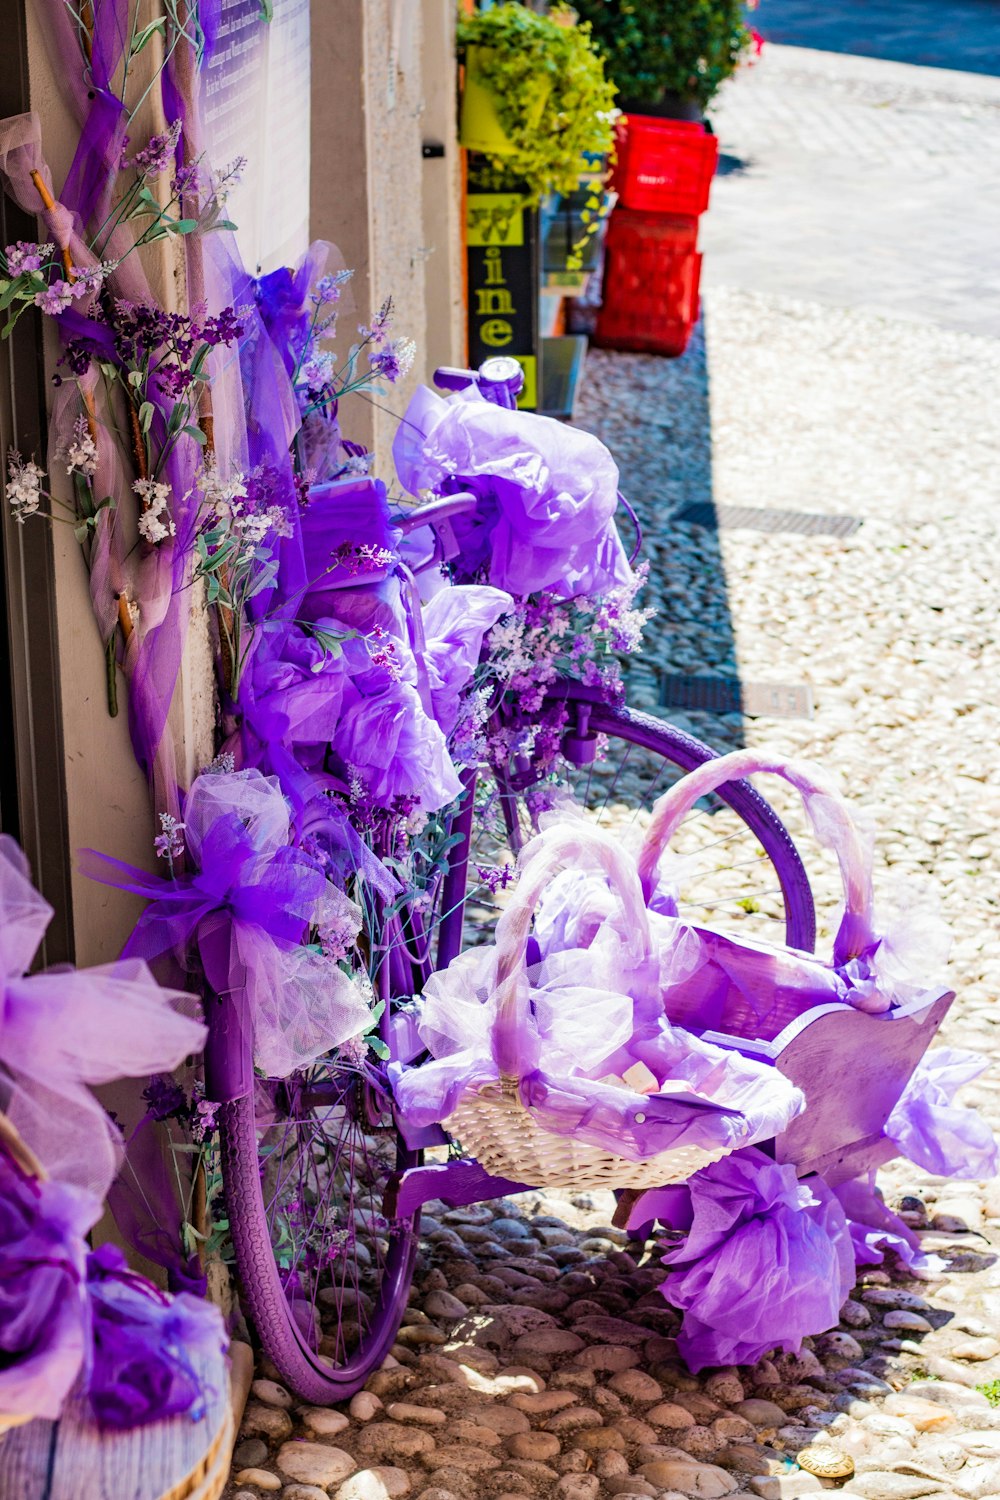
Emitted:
pixel 25 255
pixel 157 156
pixel 166 342
pixel 165 1098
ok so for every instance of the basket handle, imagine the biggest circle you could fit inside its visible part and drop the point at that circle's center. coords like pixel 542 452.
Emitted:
pixel 828 812
pixel 563 846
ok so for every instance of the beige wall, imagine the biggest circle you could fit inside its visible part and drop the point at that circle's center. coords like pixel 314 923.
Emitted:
pixel 383 81
pixel 108 804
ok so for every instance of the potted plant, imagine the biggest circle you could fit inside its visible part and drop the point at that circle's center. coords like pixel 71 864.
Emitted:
pixel 535 100
pixel 668 57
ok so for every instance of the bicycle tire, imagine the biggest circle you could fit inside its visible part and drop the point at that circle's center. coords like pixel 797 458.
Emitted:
pixel 676 748
pixel 313 1376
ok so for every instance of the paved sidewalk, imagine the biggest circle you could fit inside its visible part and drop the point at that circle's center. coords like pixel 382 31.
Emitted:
pixel 962 34
pixel 860 183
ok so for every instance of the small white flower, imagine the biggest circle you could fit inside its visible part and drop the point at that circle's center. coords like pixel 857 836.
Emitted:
pixel 281 521
pixel 81 451
pixel 317 372
pixel 169 844
pixel 253 528
pixel 222 496
pixel 224 764
pixel 24 486
pixel 155 522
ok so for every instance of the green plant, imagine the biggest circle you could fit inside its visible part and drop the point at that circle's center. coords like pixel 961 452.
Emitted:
pixel 991 1390
pixel 657 47
pixel 553 100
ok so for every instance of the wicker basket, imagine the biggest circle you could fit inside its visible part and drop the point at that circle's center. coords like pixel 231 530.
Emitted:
pixel 491 1122
pixel 505 1138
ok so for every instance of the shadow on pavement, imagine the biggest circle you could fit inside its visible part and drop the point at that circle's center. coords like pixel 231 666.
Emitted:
pixel 654 413
pixel 962 34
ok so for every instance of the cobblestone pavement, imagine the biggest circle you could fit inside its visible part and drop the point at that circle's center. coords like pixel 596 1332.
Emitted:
pixel 537 1357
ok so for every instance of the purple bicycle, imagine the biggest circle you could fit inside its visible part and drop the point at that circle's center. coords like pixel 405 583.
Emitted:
pixel 324 1246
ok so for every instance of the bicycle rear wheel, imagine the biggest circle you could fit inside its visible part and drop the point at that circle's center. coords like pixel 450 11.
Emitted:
pixel 735 859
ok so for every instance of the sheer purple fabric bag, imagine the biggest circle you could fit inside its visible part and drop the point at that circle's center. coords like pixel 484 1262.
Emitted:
pixel 558 1028
pixel 548 493
pixel 249 908
pixel 767 1259
pixel 62 1031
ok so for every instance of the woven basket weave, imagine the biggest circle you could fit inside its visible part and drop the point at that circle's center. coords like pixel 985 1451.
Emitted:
pixel 505 1138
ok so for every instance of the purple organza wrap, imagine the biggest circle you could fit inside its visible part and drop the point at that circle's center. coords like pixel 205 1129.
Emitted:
pixel 150 1351
pixel 710 981
pixel 567 1037
pixel 945 1138
pixel 389 726
pixel 249 908
pixel 547 493
pixel 877 1231
pixel 43 1313
pixel 767 1259
pixel 63 1030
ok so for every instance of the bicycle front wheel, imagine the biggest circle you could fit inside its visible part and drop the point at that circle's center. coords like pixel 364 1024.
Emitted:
pixel 734 863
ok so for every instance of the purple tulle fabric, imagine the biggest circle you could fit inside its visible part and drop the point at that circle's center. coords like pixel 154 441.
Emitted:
pixel 710 981
pixel 43 1312
pixel 547 493
pixel 876 1231
pixel 767 1261
pixel 569 1036
pixel 945 1138
pixel 249 907
pixel 388 726
pixel 150 1351
pixel 62 1030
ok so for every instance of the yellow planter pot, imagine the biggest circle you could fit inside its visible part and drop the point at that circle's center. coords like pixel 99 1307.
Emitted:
pixel 480 128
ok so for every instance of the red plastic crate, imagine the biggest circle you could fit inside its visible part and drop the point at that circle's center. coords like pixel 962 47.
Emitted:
pixel 664 166
pixel 651 273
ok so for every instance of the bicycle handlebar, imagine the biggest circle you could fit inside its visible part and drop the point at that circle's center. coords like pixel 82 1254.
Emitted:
pixel 500 380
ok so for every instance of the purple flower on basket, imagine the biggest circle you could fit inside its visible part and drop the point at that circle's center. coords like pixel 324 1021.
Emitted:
pixel 26 256
pixel 55 298
pixel 146 1346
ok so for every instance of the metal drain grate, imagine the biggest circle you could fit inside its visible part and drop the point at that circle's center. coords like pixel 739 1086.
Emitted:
pixel 727 695
pixel 759 518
